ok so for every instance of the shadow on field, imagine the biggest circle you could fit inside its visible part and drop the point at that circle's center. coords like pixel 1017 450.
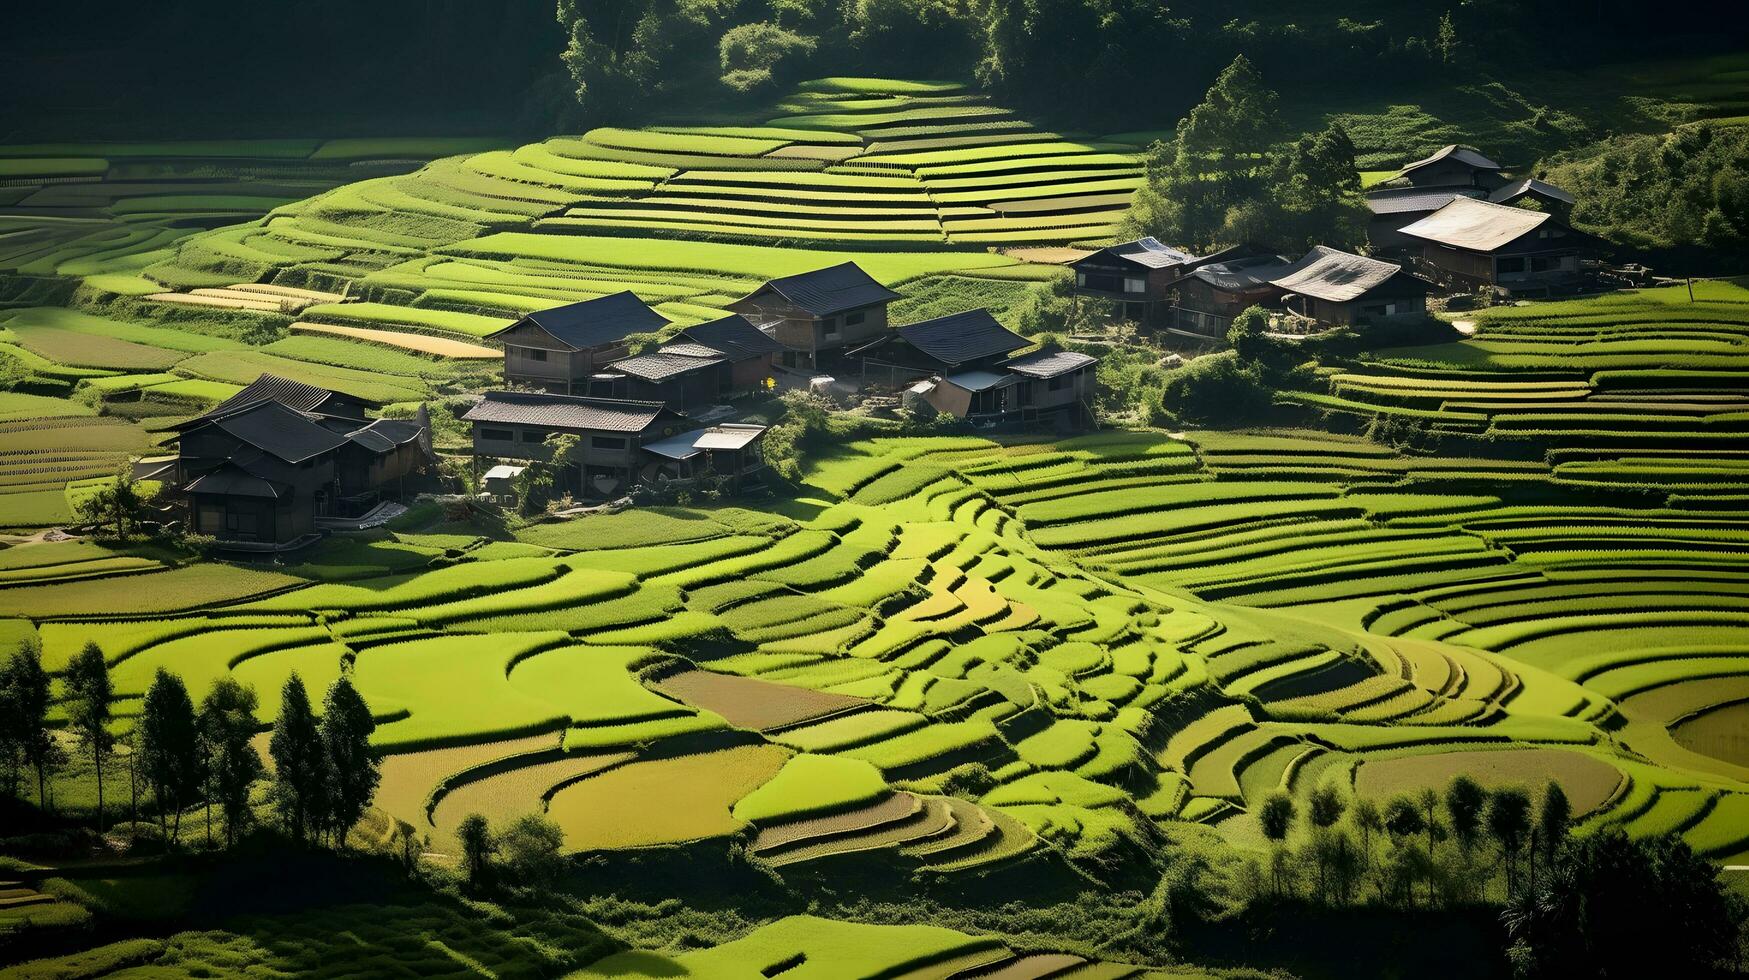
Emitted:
pixel 1314 944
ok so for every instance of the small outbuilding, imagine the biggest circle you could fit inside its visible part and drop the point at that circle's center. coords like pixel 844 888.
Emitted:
pixel 749 351
pixel 683 377
pixel 1477 244
pixel 1338 288
pixel 1547 196
pixel 958 341
pixel 732 450
pixel 1213 293
pixel 815 315
pixel 557 350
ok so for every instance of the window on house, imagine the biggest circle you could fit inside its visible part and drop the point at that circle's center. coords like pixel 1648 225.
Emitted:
pixel 536 354
pixel 606 442
pixel 1511 265
pixel 1132 284
pixel 1544 264
pixel 532 435
pixel 852 319
pixel 1081 279
pixel 503 435
pixel 829 327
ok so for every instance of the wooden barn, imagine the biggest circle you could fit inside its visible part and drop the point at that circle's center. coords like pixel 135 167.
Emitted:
pixel 1213 293
pixel 1138 275
pixel 611 433
pixel 749 351
pixel 1341 289
pixel 815 315
pixel 958 341
pixel 1045 387
pixel 557 350
pixel 1476 244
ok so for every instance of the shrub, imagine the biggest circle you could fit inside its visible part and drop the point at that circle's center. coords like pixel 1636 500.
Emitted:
pixel 1216 388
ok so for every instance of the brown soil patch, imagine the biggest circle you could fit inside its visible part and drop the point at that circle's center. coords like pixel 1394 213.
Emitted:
pixel 749 703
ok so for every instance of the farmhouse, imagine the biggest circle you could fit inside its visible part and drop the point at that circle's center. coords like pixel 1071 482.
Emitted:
pixel 1545 195
pixel 1137 274
pixel 611 431
pixel 1340 289
pixel 749 351
pixel 681 376
pixel 1453 166
pixel 733 451
pixel 262 467
pixel 1213 293
pixel 958 341
pixel 1394 207
pixel 1474 243
pixel 557 350
pixel 816 314
pixel 1046 386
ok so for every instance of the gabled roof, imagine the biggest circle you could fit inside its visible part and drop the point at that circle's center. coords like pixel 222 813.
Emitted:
pixel 1328 274
pixel 661 366
pixel 565 411
pixel 279 431
pixel 1462 154
pixel 1476 225
pixel 1412 200
pixel 1530 185
pixel 1239 275
pixel 1146 252
pixel 733 335
pixel 833 289
pixel 595 322
pixel 691 350
pixel 292 394
pixel 729 435
pixel 961 337
pixel 382 435
pixel 980 380
pixel 231 481
pixel 1048 363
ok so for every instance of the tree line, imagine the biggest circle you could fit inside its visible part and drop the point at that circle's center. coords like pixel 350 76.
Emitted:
pixel 180 755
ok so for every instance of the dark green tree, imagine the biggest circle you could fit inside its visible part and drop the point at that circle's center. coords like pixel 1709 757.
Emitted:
pixel 1325 806
pixel 1310 196
pixel 87 704
pixel 1553 819
pixel 170 750
pixel 1369 821
pixel 1465 800
pixel 25 721
pixel 300 768
pixel 1509 824
pixel 477 849
pixel 227 727
pixel 353 769
pixel 532 851
pixel 761 55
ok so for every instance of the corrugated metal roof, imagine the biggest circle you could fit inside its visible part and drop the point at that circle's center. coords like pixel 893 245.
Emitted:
pixel 1243 274
pixel 230 481
pixel 279 431
pixel 1146 252
pixel 961 337
pixel 979 380
pixel 1413 200
pixel 1049 363
pixel 595 322
pixel 833 289
pixel 1530 185
pixel 1336 276
pixel 729 435
pixel 564 411
pixel 733 335
pixel 661 367
pixel 271 387
pixel 382 435
pixel 504 471
pixel 1462 154
pixel 1476 225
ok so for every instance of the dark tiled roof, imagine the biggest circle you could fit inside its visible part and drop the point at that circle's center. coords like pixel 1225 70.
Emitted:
pixel 383 435
pixel 1336 276
pixel 1048 363
pixel 833 289
pixel 690 350
pixel 660 366
pixel 1146 252
pixel 1415 200
pixel 279 431
pixel 734 335
pixel 565 411
pixel 595 322
pixel 1462 154
pixel 1244 274
pixel 1530 185
pixel 959 338
pixel 233 482
pixel 291 394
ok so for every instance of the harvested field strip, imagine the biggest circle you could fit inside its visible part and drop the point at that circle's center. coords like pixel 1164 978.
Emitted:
pixel 662 801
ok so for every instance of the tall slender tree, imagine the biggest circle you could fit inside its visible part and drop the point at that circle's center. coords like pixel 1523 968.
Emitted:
pixel 27 715
pixel 299 768
pixel 1509 822
pixel 353 770
pixel 227 723
pixel 88 696
pixel 170 750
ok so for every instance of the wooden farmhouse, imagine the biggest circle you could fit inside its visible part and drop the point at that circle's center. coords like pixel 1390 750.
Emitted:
pixel 1213 293
pixel 956 342
pixel 262 468
pixel 748 351
pixel 1545 195
pixel 611 432
pixel 733 451
pixel 1477 244
pixel 1394 207
pixel 682 376
pixel 1341 289
pixel 815 315
pixel 557 350
pixel 1453 166
pixel 1044 387
pixel 1138 275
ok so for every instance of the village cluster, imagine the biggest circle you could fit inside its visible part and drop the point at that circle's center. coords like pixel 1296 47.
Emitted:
pixel 269 467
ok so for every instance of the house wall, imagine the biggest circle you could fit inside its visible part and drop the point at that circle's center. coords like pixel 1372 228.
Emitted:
pixel 805 334
pixel 750 373
pixel 1212 310
pixel 1124 281
pixel 529 442
pixel 251 518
